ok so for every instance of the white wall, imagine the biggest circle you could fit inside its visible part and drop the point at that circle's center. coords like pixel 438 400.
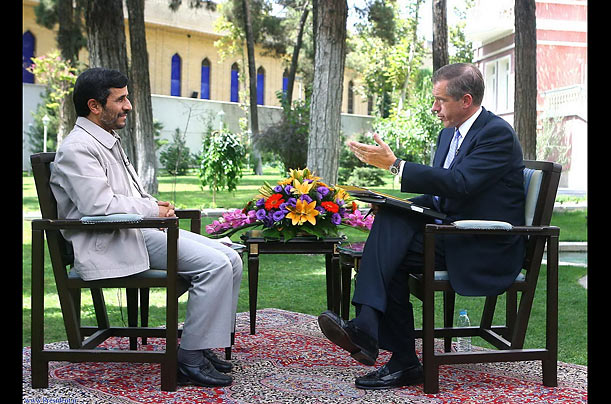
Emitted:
pixel 188 114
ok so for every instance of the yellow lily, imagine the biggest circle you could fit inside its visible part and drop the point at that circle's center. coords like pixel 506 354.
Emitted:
pixel 302 188
pixel 303 212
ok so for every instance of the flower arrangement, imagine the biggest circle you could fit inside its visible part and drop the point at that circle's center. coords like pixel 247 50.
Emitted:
pixel 299 204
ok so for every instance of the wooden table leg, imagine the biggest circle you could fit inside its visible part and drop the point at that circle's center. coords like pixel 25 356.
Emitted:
pixel 346 270
pixel 253 282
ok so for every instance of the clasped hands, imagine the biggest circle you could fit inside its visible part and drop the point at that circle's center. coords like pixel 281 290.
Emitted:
pixel 166 209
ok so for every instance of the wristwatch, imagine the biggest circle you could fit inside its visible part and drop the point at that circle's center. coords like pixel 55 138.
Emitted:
pixel 394 168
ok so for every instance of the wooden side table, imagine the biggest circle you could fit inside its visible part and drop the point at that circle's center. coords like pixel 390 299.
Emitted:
pixel 349 258
pixel 257 245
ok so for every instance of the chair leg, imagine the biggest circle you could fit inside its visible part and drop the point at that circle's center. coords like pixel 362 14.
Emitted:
pixel 144 310
pixel 449 299
pixel 39 366
pixel 99 306
pixel 76 298
pixel 132 314
pixel 228 349
pixel 511 308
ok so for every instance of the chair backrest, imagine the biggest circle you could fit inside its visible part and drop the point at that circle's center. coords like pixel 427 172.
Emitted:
pixel 541 179
pixel 41 168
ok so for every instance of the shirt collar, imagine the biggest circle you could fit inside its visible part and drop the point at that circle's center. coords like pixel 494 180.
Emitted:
pixel 105 138
pixel 464 128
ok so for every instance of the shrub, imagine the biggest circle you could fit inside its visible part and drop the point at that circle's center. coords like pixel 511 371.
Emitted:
pixel 176 158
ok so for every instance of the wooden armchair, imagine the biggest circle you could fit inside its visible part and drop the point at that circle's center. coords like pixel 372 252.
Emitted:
pixel 83 341
pixel 541 184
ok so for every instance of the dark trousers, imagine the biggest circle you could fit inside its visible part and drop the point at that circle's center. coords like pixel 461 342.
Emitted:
pixel 393 249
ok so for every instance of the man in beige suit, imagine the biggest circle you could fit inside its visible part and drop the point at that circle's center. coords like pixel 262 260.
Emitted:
pixel 91 176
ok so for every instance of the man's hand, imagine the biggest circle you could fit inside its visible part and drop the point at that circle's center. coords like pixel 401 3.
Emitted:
pixel 378 155
pixel 166 209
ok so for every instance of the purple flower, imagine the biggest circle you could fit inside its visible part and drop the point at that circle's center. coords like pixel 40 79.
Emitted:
pixel 261 214
pixel 278 188
pixel 305 198
pixel 292 202
pixel 278 215
pixel 324 191
pixel 260 203
pixel 336 219
pixel 288 189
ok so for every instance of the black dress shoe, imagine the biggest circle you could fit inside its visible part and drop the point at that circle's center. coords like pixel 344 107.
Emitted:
pixel 218 363
pixel 204 375
pixel 346 335
pixel 383 379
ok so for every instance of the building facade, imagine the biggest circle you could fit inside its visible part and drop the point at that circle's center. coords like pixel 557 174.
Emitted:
pixel 561 75
pixel 184 62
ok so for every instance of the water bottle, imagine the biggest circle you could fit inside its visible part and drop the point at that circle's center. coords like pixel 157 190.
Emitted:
pixel 464 343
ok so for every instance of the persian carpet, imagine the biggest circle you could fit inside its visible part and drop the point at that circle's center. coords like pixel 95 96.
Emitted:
pixel 288 360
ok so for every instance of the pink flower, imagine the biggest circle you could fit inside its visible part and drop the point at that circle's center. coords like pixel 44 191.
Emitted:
pixel 356 219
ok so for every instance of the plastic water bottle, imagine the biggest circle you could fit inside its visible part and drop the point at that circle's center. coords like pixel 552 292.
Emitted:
pixel 464 343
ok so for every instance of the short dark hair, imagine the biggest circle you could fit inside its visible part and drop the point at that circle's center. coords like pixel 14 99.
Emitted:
pixel 463 78
pixel 95 83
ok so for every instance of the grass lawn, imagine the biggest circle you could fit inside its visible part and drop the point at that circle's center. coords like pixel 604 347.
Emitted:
pixel 297 282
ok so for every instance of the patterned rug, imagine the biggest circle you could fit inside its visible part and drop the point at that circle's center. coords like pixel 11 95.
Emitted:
pixel 290 361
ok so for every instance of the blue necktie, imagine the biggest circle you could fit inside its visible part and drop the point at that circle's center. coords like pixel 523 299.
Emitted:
pixel 452 152
pixel 453 149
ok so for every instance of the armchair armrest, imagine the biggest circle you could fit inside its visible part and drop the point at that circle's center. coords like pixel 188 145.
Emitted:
pixel 194 215
pixel 545 231
pixel 77 224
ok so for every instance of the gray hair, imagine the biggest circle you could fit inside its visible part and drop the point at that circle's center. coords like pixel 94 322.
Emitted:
pixel 463 78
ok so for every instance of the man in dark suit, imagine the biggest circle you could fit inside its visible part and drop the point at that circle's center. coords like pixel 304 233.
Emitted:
pixel 477 173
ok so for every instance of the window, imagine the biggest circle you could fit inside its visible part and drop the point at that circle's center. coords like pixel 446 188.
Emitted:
pixel 29 44
pixel 260 85
pixel 175 84
pixel 350 97
pixel 205 85
pixel 285 81
pixel 235 86
pixel 498 96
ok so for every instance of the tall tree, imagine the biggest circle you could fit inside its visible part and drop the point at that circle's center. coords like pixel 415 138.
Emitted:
pixel 67 15
pixel 296 50
pixel 106 43
pixel 440 34
pixel 142 114
pixel 252 78
pixel 525 100
pixel 325 109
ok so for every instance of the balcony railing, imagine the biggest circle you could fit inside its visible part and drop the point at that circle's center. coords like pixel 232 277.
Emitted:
pixel 566 101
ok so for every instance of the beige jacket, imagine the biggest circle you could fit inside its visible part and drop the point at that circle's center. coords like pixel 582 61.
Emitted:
pixel 92 177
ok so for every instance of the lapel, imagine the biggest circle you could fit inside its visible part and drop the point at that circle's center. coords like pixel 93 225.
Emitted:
pixel 445 137
pixel 468 138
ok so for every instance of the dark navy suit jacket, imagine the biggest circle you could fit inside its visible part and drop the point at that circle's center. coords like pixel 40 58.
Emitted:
pixel 485 181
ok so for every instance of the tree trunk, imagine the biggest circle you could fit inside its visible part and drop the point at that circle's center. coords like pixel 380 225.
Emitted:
pixel 140 93
pixel 525 100
pixel 106 45
pixel 252 79
pixel 69 43
pixel 440 34
pixel 295 58
pixel 327 87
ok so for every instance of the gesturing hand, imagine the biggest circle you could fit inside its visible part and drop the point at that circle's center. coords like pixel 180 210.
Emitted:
pixel 378 155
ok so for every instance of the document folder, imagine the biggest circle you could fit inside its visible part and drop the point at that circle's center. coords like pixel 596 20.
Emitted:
pixel 367 195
